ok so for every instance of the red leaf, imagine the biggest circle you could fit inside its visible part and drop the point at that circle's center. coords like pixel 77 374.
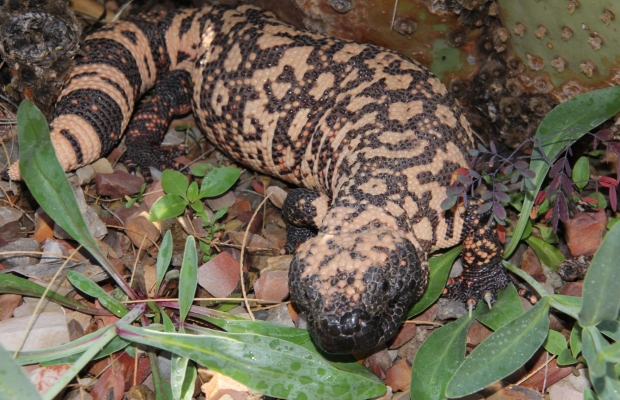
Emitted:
pixel 258 187
pixel 557 167
pixel 540 197
pixel 608 182
pixel 548 214
pixel 589 200
pixel 603 134
pixel 613 198
pixel 614 146
pixel 562 207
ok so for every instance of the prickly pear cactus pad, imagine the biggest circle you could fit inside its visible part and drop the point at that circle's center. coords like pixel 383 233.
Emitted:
pixel 567 39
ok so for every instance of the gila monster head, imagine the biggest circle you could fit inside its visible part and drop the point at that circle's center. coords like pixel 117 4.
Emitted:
pixel 356 289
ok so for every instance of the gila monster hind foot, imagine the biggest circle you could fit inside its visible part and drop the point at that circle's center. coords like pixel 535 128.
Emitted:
pixel 157 157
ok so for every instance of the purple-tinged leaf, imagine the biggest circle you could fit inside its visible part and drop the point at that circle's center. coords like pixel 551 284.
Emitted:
pixel 503 197
pixel 482 148
pixel 613 198
pixel 473 173
pixel 568 169
pixel 499 221
pixel 603 134
pixel 454 191
pixel 465 180
pixel 499 210
pixel 614 146
pixel 492 160
pixel 473 152
pixel 515 178
pixel 493 148
pixel 567 186
pixel 557 167
pixel 487 196
pixel 594 143
pixel 508 169
pixel 553 186
pixel 521 165
pixel 500 187
pixel 485 208
pixel 448 202
pixel 569 150
pixel 528 173
pixel 562 207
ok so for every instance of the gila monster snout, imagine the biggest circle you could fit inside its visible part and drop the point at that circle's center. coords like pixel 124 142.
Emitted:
pixel 356 291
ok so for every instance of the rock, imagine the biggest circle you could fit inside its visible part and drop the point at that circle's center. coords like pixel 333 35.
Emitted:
pixel 571 387
pixel 406 333
pixel 477 333
pixel 220 275
pixel 102 166
pixel 278 263
pixel 19 260
pixel 139 392
pixel 221 387
pixel 9 214
pixel 272 285
pixel 450 309
pixel 118 184
pixel 531 264
pixel 379 363
pixel 275 235
pixel 43 226
pixel 409 349
pixel 152 193
pixel 8 303
pixel 48 330
pixel 85 175
pixel 276 195
pixel 252 242
pixel 142 232
pixel 584 232
pixel 225 200
pixel 44 378
pixel 280 315
pixel 95 226
pixel 52 247
pixel 516 393
pixel 572 289
pixel 257 222
pixel 398 377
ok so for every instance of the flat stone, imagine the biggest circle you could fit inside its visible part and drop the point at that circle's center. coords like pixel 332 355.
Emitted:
pixel 9 214
pixel 52 247
pixel 276 195
pixel 152 193
pixel 409 349
pixel 584 232
pixel 49 330
pixel 118 184
pixel 572 289
pixel 142 232
pixel 531 264
pixel 256 218
pixel 379 362
pixel 43 226
pixel 44 378
pixel 220 275
pixel 278 263
pixel 272 285
pixel 102 166
pixel 85 175
pixel 477 333
pixel 275 235
pixel 450 309
pixel 252 242
pixel 8 303
pixel 225 200
pixel 281 316
pixel 221 387
pixel 19 260
pixel 405 334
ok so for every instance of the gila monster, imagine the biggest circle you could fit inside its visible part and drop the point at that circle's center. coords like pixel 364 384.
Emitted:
pixel 373 138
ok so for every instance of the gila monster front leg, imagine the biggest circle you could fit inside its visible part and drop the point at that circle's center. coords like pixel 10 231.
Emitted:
pixel 171 98
pixel 303 210
pixel 483 273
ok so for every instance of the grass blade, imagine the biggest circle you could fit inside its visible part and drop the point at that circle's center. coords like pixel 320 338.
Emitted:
pixel 89 287
pixel 49 185
pixel 188 278
pixel 163 259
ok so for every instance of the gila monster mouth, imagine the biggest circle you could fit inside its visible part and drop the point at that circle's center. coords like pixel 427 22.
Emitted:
pixel 347 315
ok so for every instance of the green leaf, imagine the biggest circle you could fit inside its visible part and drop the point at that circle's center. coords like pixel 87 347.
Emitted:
pixel 502 353
pixel 162 387
pixel 187 390
pixel 548 254
pixel 439 270
pixel 592 343
pixel 581 172
pixel 50 187
pixel 174 182
pixel 219 181
pixel 85 285
pixel 611 329
pixel 14 384
pixel 601 202
pixel 16 285
pixel 575 340
pixel 565 124
pixel 192 192
pixel 167 206
pixel 601 297
pixel 527 278
pixel 188 278
pixel 612 221
pixel 198 207
pixel 507 308
pixel 293 335
pixel 588 394
pixel 163 258
pixel 611 353
pixel 220 213
pixel 438 358
pixel 565 358
pixel 569 305
pixel 201 169
pixel 272 366
pixel 555 343
pixel 178 368
pixel 547 234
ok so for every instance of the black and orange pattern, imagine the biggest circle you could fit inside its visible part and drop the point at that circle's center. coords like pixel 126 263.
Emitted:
pixel 373 137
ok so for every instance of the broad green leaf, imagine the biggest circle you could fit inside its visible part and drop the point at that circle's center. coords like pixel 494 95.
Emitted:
pixel 548 254
pixel 167 206
pixel 17 285
pixel 89 287
pixel 601 201
pixel 588 394
pixel 438 358
pixel 198 207
pixel 188 278
pixel 220 213
pixel 612 221
pixel 271 366
pixel 502 353
pixel 50 187
pixel 163 258
pixel 162 387
pixel 611 329
pixel 555 343
pixel 575 340
pixel 581 172
pixel 592 343
pixel 569 305
pixel 601 297
pixel 611 353
pixel 187 390
pixel 612 388
pixel 293 335
pixel 192 192
pixel 565 124
pixel 14 384
pixel 507 308
pixel 547 234
pixel 178 369
pixel 439 270
pixel 219 181
pixel 174 182
pixel 200 169
pixel 565 358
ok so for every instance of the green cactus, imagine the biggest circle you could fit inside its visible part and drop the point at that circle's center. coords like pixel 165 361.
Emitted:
pixel 568 40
